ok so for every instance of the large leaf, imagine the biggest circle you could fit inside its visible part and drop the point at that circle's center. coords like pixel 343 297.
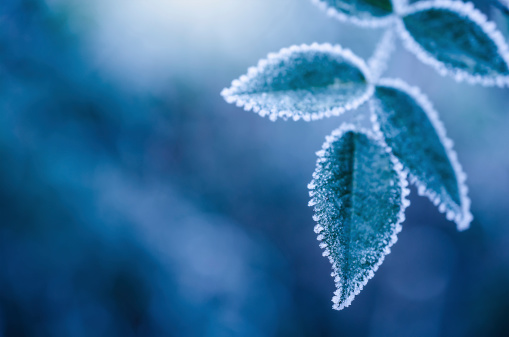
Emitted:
pixel 309 82
pixel 458 40
pixel 412 129
pixel 368 13
pixel 358 193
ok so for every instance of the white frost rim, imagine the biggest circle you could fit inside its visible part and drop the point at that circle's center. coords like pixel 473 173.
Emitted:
pixel 375 22
pixel 338 302
pixel 229 94
pixel 465 10
pixel 464 219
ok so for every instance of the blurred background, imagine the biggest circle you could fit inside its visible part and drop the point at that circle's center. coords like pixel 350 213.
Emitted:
pixel 135 202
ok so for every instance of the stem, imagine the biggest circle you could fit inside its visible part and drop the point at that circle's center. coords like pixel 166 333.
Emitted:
pixel 383 52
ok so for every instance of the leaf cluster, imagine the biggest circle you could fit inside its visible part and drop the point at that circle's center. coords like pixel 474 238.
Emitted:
pixel 359 187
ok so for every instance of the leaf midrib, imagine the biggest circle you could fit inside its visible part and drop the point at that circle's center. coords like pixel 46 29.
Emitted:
pixel 348 230
pixel 344 85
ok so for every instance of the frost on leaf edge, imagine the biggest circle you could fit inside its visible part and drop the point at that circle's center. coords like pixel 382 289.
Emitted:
pixel 366 23
pixel 466 10
pixel 462 220
pixel 396 227
pixel 251 104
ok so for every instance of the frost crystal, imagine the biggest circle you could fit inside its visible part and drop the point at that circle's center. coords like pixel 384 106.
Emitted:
pixel 360 194
pixel 456 39
pixel 417 137
pixel 308 82
pixel 366 13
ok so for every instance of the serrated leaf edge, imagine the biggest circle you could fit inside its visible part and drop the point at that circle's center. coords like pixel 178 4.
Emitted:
pixel 366 23
pixel 230 96
pixel 462 220
pixel 466 10
pixel 396 227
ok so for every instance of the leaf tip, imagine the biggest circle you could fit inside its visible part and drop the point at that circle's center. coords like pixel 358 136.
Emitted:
pixel 464 222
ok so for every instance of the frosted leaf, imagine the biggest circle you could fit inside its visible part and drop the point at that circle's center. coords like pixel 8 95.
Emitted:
pixel 412 129
pixel 359 196
pixel 378 62
pixel 308 82
pixel 457 40
pixel 366 13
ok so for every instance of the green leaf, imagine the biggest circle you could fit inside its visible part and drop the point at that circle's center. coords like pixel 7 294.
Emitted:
pixel 308 82
pixel 358 193
pixel 412 129
pixel 456 39
pixel 371 13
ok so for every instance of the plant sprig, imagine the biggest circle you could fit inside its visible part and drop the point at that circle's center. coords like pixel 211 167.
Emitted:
pixel 359 187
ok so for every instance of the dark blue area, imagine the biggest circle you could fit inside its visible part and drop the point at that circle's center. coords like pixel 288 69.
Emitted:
pixel 131 213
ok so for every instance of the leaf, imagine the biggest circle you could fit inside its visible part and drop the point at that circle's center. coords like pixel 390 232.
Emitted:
pixel 309 82
pixel 412 129
pixel 367 13
pixel 358 193
pixel 457 40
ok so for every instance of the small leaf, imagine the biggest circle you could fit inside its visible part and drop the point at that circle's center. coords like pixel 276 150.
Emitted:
pixel 309 82
pixel 412 129
pixel 367 13
pixel 456 39
pixel 358 193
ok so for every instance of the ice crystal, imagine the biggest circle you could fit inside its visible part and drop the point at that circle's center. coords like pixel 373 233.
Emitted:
pixel 412 129
pixel 359 197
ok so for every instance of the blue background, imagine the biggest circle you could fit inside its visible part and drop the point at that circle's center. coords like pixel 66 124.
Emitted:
pixel 135 202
